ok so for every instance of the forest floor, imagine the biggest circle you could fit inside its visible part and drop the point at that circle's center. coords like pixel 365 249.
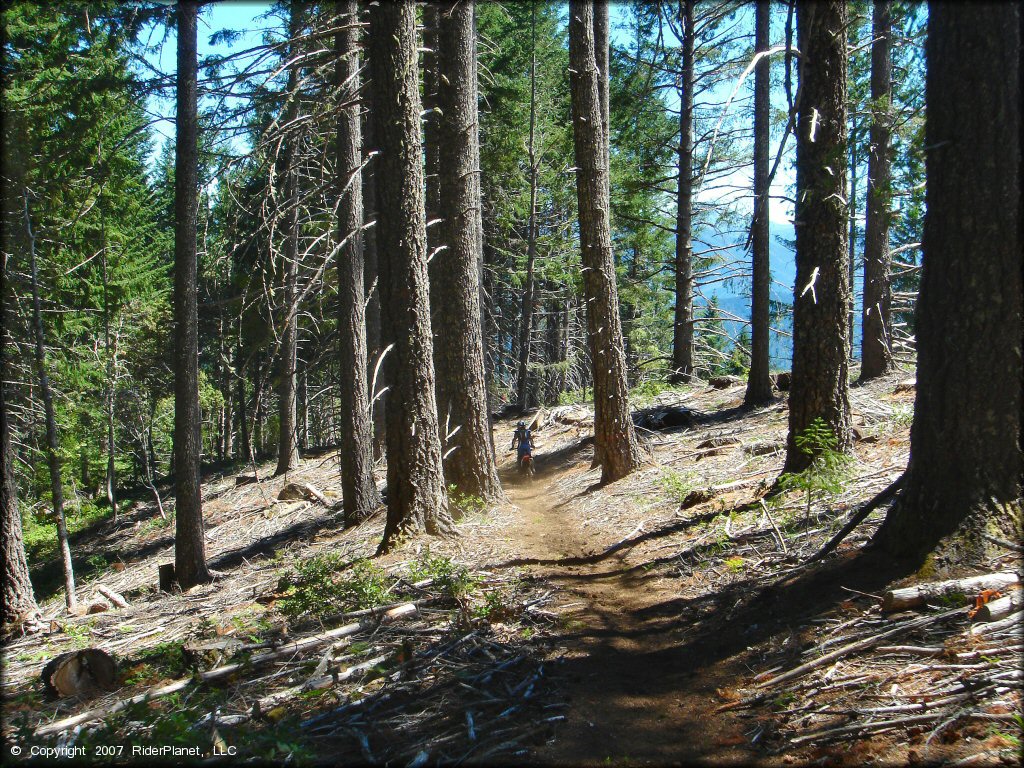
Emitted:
pixel 649 621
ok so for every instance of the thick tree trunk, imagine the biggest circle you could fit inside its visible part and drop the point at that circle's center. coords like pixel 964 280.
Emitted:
pixel 759 382
pixel 616 448
pixel 288 444
pixel 417 498
pixel 876 352
pixel 18 598
pixel 821 301
pixel 459 349
pixel 189 538
pixel 526 316
pixel 52 442
pixel 682 334
pixel 359 490
pixel 602 53
pixel 964 475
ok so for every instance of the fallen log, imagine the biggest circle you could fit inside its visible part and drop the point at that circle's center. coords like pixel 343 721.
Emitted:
pixel 701 495
pixel 302 492
pixel 288 649
pixel 115 598
pixel 314 684
pixel 919 594
pixel 1001 607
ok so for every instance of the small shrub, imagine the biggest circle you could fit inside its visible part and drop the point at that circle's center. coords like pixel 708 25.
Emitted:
pixel 454 580
pixel 316 588
pixel 465 504
pixel 676 485
pixel 735 564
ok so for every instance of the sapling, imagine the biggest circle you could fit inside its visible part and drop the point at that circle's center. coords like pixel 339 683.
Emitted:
pixel 828 470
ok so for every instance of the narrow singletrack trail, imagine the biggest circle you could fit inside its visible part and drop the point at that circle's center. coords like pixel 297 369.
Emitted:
pixel 636 696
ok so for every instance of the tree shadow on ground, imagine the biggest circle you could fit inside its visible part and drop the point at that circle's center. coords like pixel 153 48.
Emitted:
pixel 691 648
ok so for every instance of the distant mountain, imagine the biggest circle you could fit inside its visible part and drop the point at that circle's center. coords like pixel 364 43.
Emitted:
pixel 734 295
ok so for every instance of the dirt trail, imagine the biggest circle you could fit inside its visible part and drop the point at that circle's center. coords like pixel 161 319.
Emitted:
pixel 636 697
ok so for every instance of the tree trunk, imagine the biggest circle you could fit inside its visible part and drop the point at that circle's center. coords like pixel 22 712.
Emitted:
pixel 526 317
pixel 417 498
pixel 821 301
pixel 876 353
pixel 52 443
pixel 111 477
pixel 18 598
pixel 287 446
pixel 359 489
pixel 370 271
pixel 616 448
pixel 602 42
pixel 189 538
pixel 964 476
pixel 682 335
pixel 459 351
pixel 759 382
pixel 851 247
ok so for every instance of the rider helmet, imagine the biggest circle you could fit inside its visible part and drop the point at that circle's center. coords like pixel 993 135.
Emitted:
pixel 521 424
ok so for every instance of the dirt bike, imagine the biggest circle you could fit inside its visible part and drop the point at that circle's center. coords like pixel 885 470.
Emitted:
pixel 526 467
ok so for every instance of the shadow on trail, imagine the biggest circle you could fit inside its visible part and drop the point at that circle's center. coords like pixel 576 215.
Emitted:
pixel 625 544
pixel 683 650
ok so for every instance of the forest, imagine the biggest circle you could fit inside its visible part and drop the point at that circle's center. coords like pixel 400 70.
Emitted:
pixel 531 383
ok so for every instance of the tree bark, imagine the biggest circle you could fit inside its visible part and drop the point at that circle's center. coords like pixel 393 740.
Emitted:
pixel 189 538
pixel 288 445
pixel 459 351
pixel 417 498
pixel 876 353
pixel 821 301
pixel 964 476
pixel 759 382
pixel 359 489
pixel 682 335
pixel 616 448
pixel 18 598
pixel 52 443
pixel 526 317
pixel 371 271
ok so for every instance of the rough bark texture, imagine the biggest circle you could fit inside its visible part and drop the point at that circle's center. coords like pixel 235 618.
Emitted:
pixel 682 335
pixel 359 490
pixel 288 442
pixel 615 448
pixel 459 347
pixel 526 315
pixel 18 597
pixel 963 478
pixel 821 299
pixel 417 498
pixel 759 382
pixel 371 271
pixel 189 538
pixel 876 352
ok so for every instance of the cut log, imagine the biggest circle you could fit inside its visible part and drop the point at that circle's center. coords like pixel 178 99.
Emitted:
pixel 702 495
pixel 168 579
pixel 764 448
pixel 718 442
pixel 80 673
pixel 1014 622
pixel 664 417
pixel 919 594
pixel 285 651
pixel 1001 607
pixel 302 491
pixel 115 598
pixel 724 382
pixel 907 385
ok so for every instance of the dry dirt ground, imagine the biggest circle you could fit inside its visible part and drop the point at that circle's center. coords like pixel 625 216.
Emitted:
pixel 632 613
